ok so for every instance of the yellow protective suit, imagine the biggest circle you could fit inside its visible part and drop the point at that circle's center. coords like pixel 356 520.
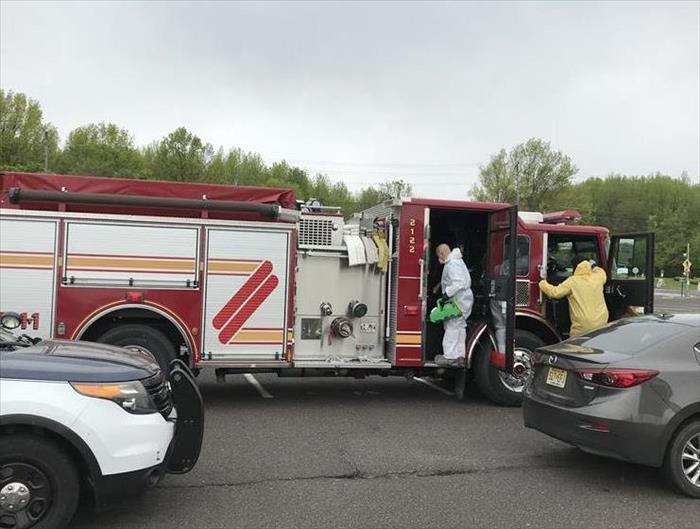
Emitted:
pixel 586 301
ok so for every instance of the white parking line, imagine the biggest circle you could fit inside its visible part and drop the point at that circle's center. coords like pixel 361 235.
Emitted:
pixel 257 385
pixel 434 386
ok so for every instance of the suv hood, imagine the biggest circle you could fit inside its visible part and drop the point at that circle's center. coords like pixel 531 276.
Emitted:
pixel 75 361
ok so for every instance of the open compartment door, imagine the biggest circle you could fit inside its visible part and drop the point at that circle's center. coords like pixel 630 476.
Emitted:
pixel 500 279
pixel 630 274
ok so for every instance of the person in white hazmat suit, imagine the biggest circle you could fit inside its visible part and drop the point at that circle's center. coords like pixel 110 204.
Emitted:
pixel 456 286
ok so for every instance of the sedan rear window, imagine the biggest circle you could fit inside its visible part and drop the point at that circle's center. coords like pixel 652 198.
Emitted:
pixel 632 336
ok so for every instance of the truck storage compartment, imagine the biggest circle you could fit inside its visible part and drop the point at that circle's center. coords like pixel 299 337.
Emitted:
pixel 467 231
pixel 340 316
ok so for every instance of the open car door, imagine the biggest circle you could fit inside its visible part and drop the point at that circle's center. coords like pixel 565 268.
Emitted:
pixel 500 278
pixel 630 274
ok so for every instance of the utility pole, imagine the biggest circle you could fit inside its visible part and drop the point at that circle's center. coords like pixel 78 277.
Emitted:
pixel 46 150
pixel 517 185
pixel 687 263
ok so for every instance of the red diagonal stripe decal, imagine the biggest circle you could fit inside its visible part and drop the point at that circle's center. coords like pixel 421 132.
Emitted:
pixel 233 304
pixel 248 309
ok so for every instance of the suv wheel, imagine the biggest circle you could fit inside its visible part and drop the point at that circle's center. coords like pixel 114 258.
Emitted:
pixel 139 337
pixel 39 484
pixel 682 463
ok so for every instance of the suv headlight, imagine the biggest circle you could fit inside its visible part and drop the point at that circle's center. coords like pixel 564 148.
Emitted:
pixel 131 396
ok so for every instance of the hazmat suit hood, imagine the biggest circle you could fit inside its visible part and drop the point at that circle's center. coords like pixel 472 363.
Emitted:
pixel 583 269
pixel 456 282
pixel 584 290
pixel 456 253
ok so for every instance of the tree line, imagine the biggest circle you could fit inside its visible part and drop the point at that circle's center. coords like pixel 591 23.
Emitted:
pixel 105 149
pixel 539 178
pixel 531 174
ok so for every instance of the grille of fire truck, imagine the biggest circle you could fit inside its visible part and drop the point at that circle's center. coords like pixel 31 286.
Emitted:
pixel 522 292
pixel 315 232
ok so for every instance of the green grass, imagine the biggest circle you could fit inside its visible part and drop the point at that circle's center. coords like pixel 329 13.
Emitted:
pixel 672 283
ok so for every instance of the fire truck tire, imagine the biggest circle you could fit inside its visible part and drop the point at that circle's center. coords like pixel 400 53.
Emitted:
pixel 142 337
pixel 489 378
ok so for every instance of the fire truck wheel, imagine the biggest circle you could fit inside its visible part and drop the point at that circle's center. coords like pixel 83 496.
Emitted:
pixel 500 387
pixel 139 337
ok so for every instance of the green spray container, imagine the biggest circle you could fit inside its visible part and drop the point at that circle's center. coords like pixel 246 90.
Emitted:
pixel 444 311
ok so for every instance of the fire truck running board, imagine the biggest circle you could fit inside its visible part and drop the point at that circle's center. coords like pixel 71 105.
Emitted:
pixel 322 364
pixel 244 363
pixel 433 364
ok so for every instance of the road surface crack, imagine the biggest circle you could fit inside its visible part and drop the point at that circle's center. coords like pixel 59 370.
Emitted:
pixel 358 475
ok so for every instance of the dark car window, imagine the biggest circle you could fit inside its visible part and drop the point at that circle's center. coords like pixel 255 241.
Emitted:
pixel 563 249
pixel 522 254
pixel 634 335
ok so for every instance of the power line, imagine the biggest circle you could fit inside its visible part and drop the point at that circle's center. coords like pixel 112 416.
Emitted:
pixel 378 164
pixel 421 184
pixel 387 172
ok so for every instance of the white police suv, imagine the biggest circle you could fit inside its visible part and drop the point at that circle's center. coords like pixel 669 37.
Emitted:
pixel 79 417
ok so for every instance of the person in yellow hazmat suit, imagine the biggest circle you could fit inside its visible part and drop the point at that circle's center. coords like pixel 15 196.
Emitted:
pixel 584 289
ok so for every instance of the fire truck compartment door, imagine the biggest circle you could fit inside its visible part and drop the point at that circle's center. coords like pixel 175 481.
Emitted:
pixel 499 284
pixel 246 294
pixel 27 272
pixel 630 273
pixel 116 254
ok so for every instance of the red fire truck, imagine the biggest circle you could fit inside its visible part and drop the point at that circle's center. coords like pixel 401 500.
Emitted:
pixel 245 279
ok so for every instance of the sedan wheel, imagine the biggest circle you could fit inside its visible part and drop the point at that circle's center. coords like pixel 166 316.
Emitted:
pixel 690 460
pixel 682 463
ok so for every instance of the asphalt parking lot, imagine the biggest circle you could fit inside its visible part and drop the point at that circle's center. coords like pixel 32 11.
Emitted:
pixel 671 301
pixel 389 453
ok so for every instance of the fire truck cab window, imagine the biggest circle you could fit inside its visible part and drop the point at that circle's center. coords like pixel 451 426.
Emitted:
pixel 562 249
pixel 467 231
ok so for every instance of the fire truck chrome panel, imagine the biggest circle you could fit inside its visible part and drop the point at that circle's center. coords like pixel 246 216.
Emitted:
pixel 341 316
pixel 327 278
pixel 321 232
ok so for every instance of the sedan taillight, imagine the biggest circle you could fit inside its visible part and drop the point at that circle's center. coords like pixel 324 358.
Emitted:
pixel 617 377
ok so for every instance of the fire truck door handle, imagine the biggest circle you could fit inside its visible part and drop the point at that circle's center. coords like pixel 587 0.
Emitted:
pixel 421 285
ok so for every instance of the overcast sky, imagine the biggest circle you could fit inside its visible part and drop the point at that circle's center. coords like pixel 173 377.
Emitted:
pixel 370 91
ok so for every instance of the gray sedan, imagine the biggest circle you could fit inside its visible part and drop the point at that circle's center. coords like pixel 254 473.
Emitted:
pixel 630 390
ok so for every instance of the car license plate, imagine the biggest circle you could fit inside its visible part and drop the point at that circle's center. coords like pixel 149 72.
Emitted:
pixel 556 377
